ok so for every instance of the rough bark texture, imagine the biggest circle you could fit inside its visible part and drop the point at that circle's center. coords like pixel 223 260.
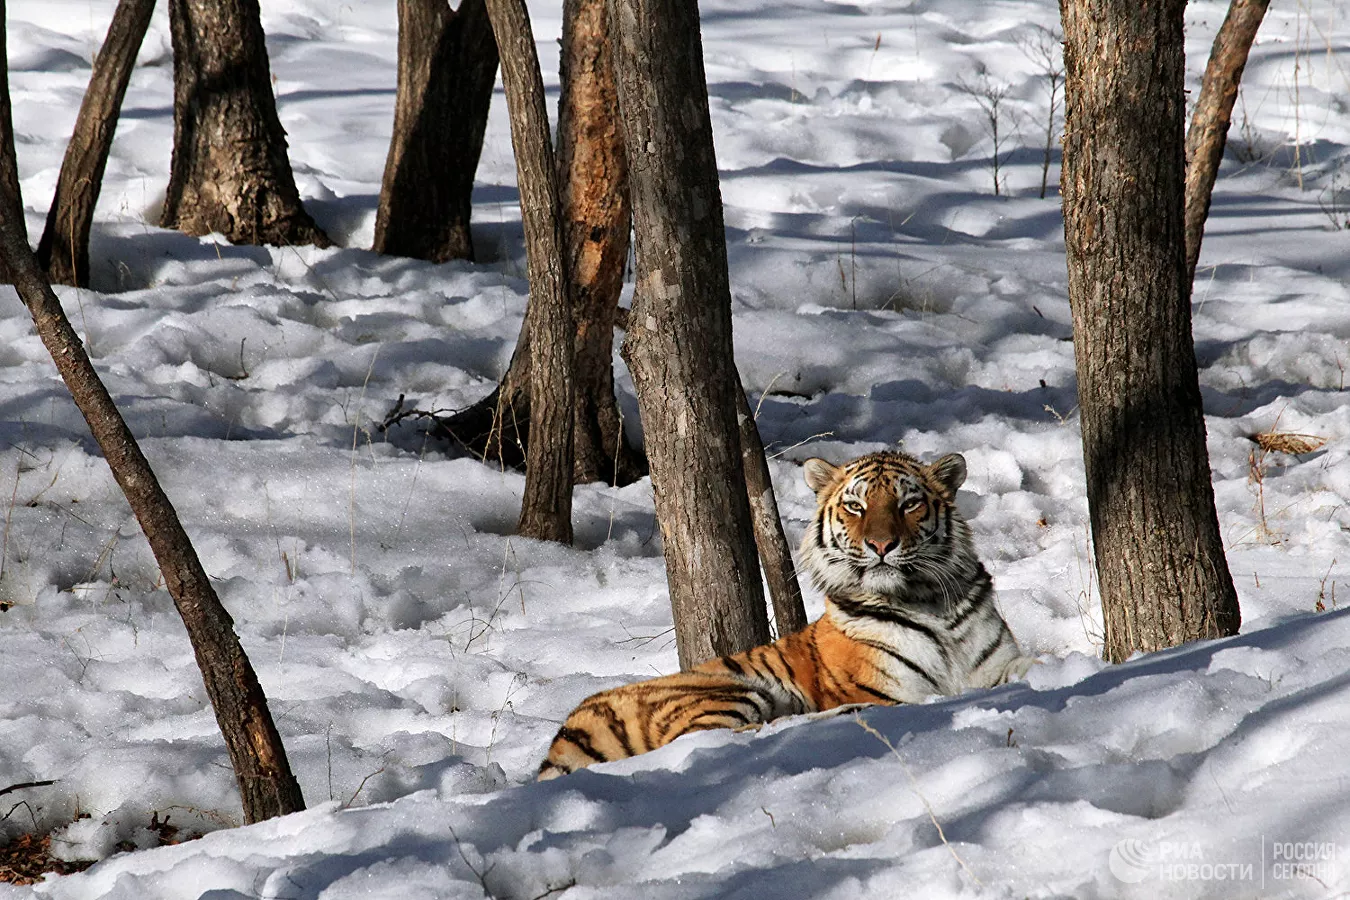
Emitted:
pixel 64 248
pixel 447 65
pixel 678 345
pixel 785 592
pixel 546 509
pixel 230 173
pixel 266 786
pixel 1160 564
pixel 9 166
pixel 593 191
pixel 1213 113
pixel 593 188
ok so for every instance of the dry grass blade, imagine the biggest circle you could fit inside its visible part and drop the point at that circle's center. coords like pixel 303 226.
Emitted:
pixel 1288 442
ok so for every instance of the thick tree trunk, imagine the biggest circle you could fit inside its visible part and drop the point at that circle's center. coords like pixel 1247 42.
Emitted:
pixel 230 173
pixel 785 593
pixel 593 188
pixel 678 345
pixel 266 786
pixel 1213 113
pixel 546 509
pixel 64 248
pixel 447 65
pixel 1160 564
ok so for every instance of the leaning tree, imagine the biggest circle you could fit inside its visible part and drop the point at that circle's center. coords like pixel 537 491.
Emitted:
pixel 1161 569
pixel 266 785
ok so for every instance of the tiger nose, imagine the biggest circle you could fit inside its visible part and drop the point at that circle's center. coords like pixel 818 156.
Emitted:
pixel 883 546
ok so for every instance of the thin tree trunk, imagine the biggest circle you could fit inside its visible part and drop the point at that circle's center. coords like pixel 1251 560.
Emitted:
pixel 785 592
pixel 1213 113
pixel 678 345
pixel 546 509
pixel 64 248
pixel 266 786
pixel 9 164
pixel 447 65
pixel 596 217
pixel 1160 563
pixel 229 173
pixel 593 191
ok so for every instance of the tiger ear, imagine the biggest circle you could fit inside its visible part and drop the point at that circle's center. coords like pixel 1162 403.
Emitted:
pixel 950 472
pixel 819 474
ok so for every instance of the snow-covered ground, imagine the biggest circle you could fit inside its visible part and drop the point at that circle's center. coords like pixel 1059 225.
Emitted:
pixel 418 657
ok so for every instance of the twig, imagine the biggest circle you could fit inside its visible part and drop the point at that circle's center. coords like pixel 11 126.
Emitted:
pixel 25 784
pixel 914 783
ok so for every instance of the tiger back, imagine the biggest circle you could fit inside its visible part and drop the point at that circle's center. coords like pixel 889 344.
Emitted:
pixel 909 613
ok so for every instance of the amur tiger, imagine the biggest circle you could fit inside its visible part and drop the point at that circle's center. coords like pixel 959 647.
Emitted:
pixel 909 613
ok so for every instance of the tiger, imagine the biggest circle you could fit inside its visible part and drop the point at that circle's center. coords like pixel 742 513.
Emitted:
pixel 909 614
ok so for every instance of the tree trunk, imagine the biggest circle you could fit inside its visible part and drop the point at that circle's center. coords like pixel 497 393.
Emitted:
pixel 9 164
pixel 678 345
pixel 546 509
pixel 1213 113
pixel 447 65
pixel 785 593
pixel 230 173
pixel 593 188
pixel 64 248
pixel 1160 564
pixel 266 786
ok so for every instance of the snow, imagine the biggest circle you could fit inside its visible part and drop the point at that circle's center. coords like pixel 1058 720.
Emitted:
pixel 418 657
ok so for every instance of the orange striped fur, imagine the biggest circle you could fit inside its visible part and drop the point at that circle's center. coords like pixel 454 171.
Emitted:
pixel 909 613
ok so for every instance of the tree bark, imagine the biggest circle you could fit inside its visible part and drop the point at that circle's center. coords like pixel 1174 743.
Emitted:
pixel 1160 564
pixel 230 173
pixel 9 163
pixel 447 65
pixel 1213 113
pixel 266 786
pixel 546 509
pixel 678 346
pixel 785 593
pixel 593 191
pixel 593 188
pixel 64 248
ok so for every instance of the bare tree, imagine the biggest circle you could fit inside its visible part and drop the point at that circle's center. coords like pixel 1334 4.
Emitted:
pixel 64 248
pixel 1160 563
pixel 266 786
pixel 678 344
pixel 546 509
pixel 230 173
pixel 593 191
pixel 447 65
pixel 1208 133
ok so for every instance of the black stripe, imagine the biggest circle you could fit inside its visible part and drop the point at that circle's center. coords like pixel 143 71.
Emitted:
pixel 904 661
pixel 884 614
pixel 617 727
pixel 987 652
pixel 975 599
pixel 581 741
pixel 734 666
pixel 947 511
pixel 728 713
pixel 884 698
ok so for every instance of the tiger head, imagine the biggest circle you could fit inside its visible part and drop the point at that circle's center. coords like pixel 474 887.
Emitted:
pixel 886 525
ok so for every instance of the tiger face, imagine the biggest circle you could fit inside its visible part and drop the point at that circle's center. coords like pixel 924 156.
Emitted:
pixel 885 523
